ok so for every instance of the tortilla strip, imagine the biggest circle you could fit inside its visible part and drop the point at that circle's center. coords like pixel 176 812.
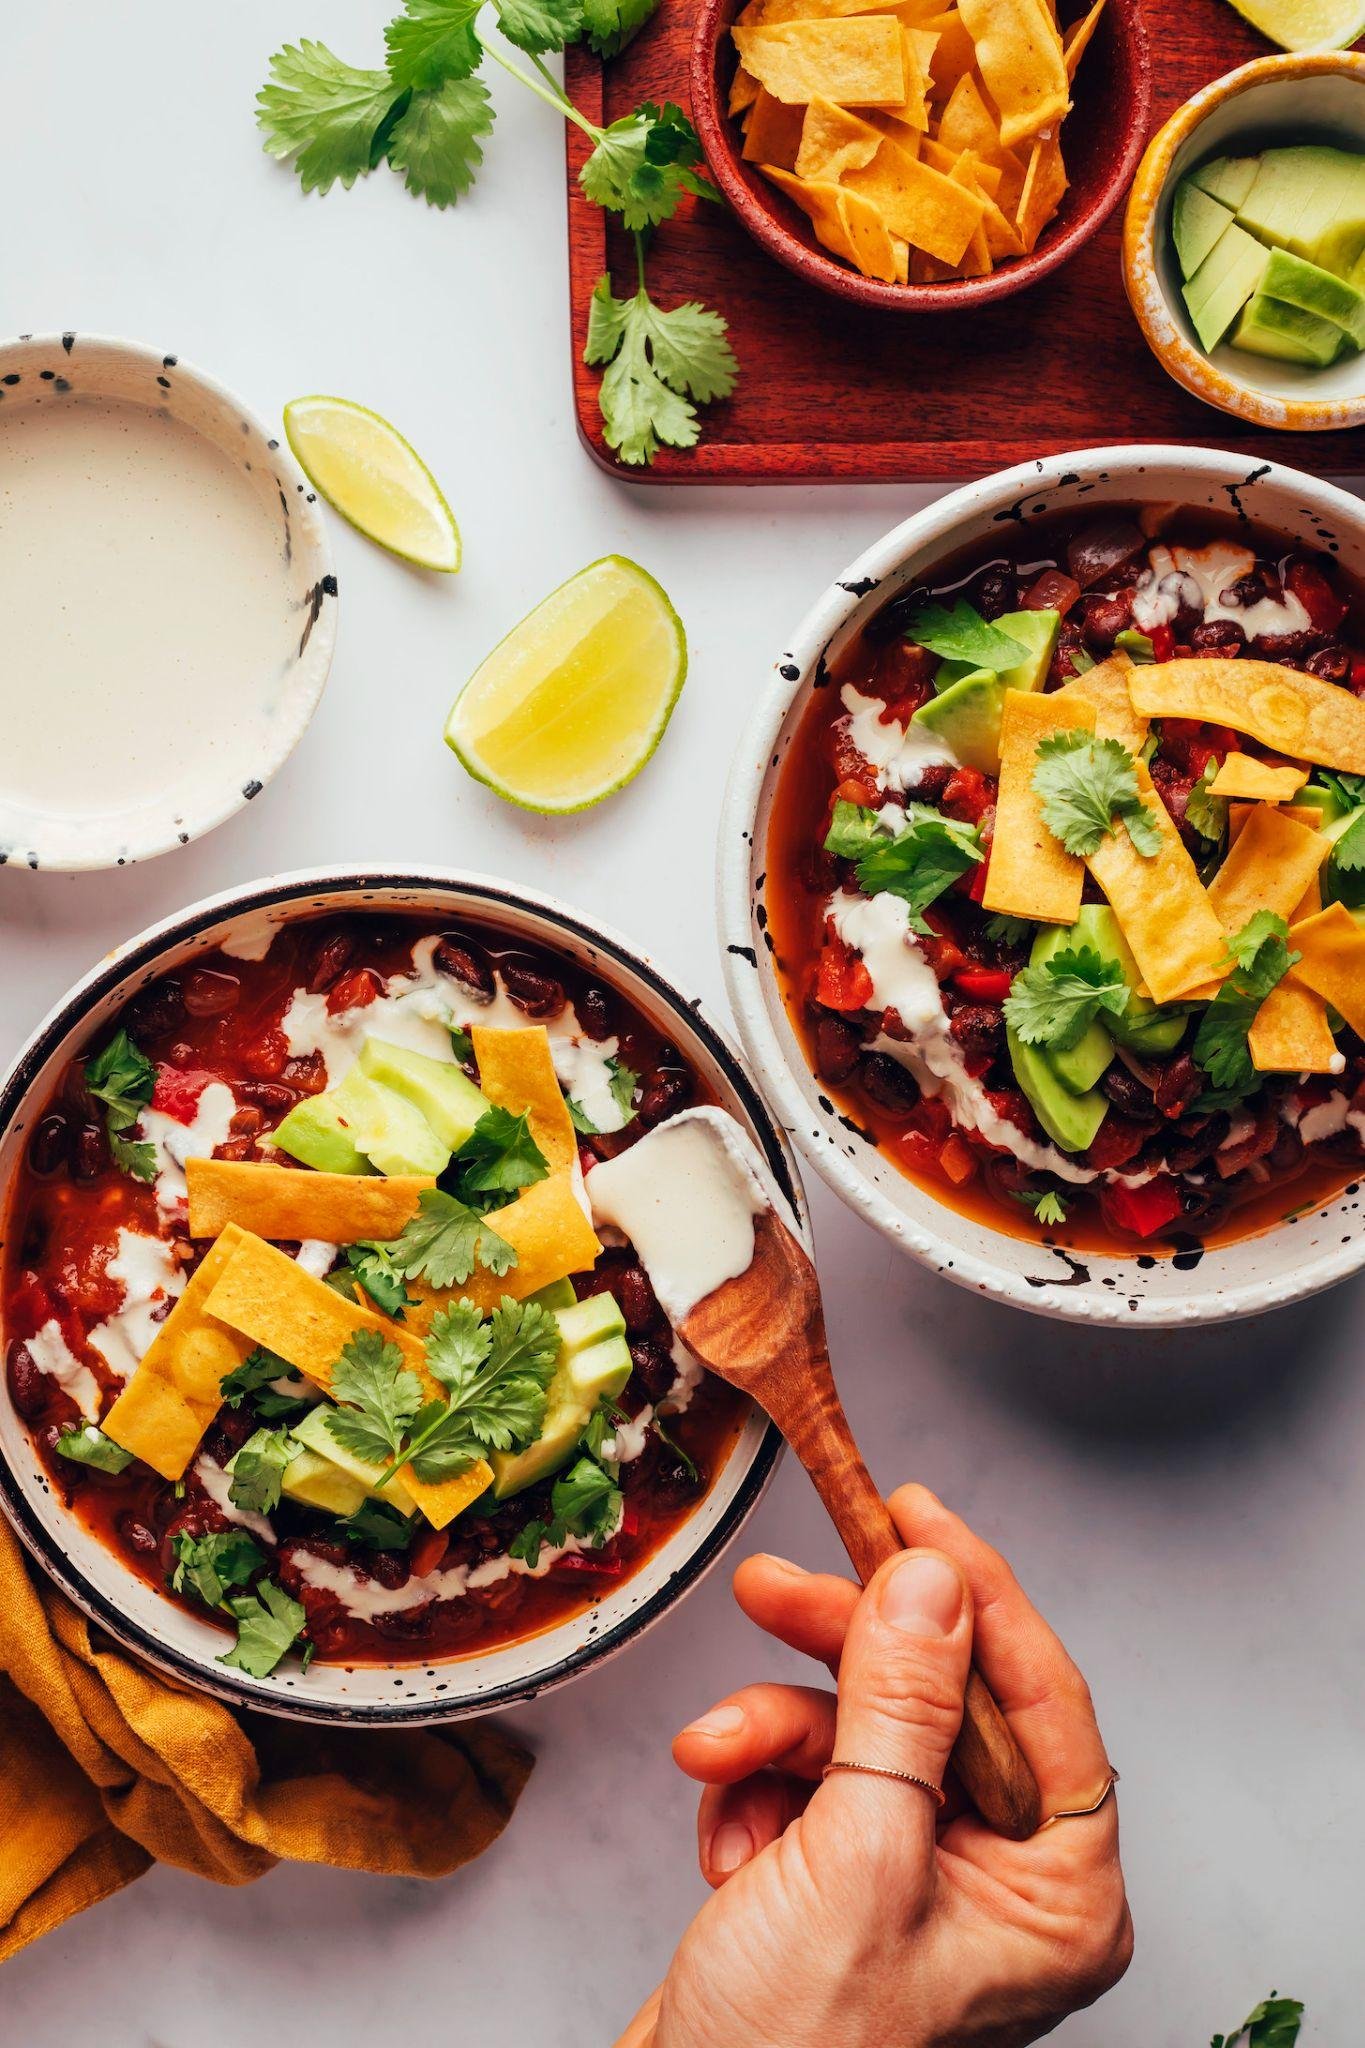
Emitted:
pixel 767 13
pixel 818 199
pixel 1243 775
pixel 772 133
pixel 1161 905
pixel 1031 874
pixel 271 1300
pixel 1076 38
pixel 1302 814
pixel 1269 866
pixel 287 1201
pixel 966 121
pixel 832 141
pixel 1290 1033
pixel 873 250
pixel 517 1072
pixel 744 90
pixel 552 1237
pixel 1106 687
pixel 1044 188
pixel 1294 714
pixel 1333 963
pixel 1018 54
pixel 171 1399
pixel 922 206
pixel 955 54
pixel 858 62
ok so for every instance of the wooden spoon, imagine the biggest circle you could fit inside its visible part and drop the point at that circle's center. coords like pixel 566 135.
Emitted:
pixel 764 1332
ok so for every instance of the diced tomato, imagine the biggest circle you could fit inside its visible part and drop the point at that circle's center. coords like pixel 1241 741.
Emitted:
pixel 849 762
pixel 429 1546
pixel 1145 1210
pixel 354 990
pixel 594 1564
pixel 956 1159
pixel 630 1520
pixel 1053 591
pixel 1014 1109
pixel 968 795
pixel 265 1060
pixel 843 983
pixel 1163 643
pixel 932 1118
pixel 177 1093
pixel 1310 586
pixel 976 885
pixel 851 791
pixel 984 984
pixel 903 679
pixel 919 1152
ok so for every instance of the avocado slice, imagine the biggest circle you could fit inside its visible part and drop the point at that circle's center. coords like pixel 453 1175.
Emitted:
pixel 558 1295
pixel 1227 178
pixel 449 1101
pixel 1144 1026
pixel 1337 242
pixel 1285 333
pixel 967 716
pixel 316 1132
pixel 1223 283
pixel 1136 645
pixel 1071 1121
pixel 594 1360
pixel 312 1432
pixel 1287 183
pixel 1295 282
pixel 1197 222
pixel 1037 631
pixel 1080 1066
pixel 393 1135
pixel 315 1482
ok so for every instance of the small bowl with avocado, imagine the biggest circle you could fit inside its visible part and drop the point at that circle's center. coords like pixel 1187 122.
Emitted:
pixel 1244 243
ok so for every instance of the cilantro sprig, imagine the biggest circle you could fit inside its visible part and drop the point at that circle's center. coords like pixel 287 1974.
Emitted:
pixel 497 1160
pixel 427 114
pixel 1056 1002
pixel 122 1078
pixel 963 635
pixel 586 1503
pixel 269 1623
pixel 1275 2023
pixel 1049 1207
pixel 254 1380
pixel 1207 813
pixel 258 1470
pixel 212 1565
pixel 445 1241
pixel 1261 959
pixel 916 863
pixel 1088 787
pixel 90 1446
pixel 219 1569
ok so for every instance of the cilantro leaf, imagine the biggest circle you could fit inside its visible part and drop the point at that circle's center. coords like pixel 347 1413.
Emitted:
pixel 496 1384
pixel 1050 1207
pixel 528 1542
pixel 666 1436
pixel 579 1118
pixel 90 1446
pixel 1085 784
pixel 258 1470
pixel 1262 958
pixel 1010 931
pixel 444 1242
pixel 611 24
pixel 1056 1002
pixel 269 1623
pixel 1275 2023
pixel 323 113
pixel 433 41
pixel 587 1501
pixel 853 830
pixel 254 1379
pixel 122 1078
pixel 457 1344
pixel 133 1156
pixel 211 1565
pixel 379 1277
pixel 624 1082
pixel 376 1526
pixel 498 1157
pixel 435 141
pixel 540 26
pixel 1346 791
pixel 381 1395
pixel 920 862
pixel 604 1421
pixel 643 164
pixel 462 1045
pixel 655 362
pixel 963 635
pixel 1208 814
pixel 1348 849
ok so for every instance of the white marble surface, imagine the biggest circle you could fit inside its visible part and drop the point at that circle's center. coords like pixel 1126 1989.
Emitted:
pixel 1187 1509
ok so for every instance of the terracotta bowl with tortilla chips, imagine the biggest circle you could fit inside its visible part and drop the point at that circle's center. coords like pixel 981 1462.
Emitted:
pixel 172 1638
pixel 962 178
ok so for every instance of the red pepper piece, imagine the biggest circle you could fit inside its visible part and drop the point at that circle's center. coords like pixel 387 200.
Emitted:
pixel 843 983
pixel 1163 643
pixel 1309 585
pixel 984 984
pixel 1145 1210
pixel 968 795
pixel 177 1094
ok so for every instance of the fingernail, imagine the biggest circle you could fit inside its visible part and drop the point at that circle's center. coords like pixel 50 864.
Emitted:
pixel 731 1846
pixel 719 1722
pixel 785 1565
pixel 923 1596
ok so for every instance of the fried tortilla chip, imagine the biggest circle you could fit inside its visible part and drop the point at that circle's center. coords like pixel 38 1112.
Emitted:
pixel 1332 946
pixel 549 1231
pixel 1294 714
pixel 966 121
pixel 1076 38
pixel 1270 865
pixel 867 237
pixel 1031 874
pixel 171 1399
pixel 772 133
pixel 1246 776
pixel 517 1073
pixel 1290 1033
pixel 1044 190
pixel 744 90
pixel 922 206
pixel 954 53
pixel 1018 54
pixel 818 199
pixel 832 141
pixel 289 1202
pixel 1106 687
pixel 860 62
pixel 1161 905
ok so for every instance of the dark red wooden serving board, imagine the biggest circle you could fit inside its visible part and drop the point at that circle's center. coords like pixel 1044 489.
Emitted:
pixel 830 393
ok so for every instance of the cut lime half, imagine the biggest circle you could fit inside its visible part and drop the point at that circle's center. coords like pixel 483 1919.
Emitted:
pixel 574 701
pixel 366 470
pixel 1306 24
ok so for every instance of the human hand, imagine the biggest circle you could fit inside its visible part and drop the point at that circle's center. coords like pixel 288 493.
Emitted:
pixel 851 1913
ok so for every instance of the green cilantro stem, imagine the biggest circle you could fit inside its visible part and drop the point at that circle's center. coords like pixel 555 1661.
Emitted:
pixel 555 98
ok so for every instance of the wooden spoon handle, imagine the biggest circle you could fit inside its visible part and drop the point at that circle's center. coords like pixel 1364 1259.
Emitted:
pixel 989 1764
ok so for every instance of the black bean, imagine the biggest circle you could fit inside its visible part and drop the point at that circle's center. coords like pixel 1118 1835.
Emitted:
pixel 465 960
pixel 49 1148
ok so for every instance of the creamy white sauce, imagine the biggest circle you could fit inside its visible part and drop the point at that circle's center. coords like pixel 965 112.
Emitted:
pixel 217 1484
pixel 251 940
pixel 686 1196
pixel 899 753
pixel 582 1070
pixel 146 621
pixel 176 1142
pixel 365 1599
pixel 1198 577
pixel 51 1354
pixel 151 1279
pixel 316 1257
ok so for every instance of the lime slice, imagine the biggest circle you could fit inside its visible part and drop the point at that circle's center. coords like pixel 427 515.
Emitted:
pixel 366 470
pixel 1306 24
pixel 574 701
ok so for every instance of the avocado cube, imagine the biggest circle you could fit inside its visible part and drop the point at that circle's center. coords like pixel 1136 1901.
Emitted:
pixel 1286 185
pixel 1285 333
pixel 1071 1121
pixel 967 716
pixel 1078 1067
pixel 1294 282
pixel 589 1322
pixel 1227 178
pixel 393 1135
pixel 1223 283
pixel 1143 1026
pixel 312 1432
pixel 315 1482
pixel 559 1294
pixel 1338 242
pixel 316 1132
pixel 1197 222
pixel 448 1099
pixel 1137 646
pixel 582 1378
pixel 1037 631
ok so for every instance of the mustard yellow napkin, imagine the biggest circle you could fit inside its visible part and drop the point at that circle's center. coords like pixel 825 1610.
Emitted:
pixel 106 1768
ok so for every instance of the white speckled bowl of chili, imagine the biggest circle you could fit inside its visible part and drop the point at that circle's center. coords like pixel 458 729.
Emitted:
pixel 1183 1208
pixel 245 1004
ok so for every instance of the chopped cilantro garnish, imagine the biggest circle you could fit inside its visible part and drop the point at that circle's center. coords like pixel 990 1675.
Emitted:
pixel 376 1526
pixel 1275 2023
pixel 1261 958
pixel 1085 784
pixel 853 830
pixel 254 1379
pixel 1050 1207
pixel 122 1078
pixel 258 1470
pixel 1208 814
pixel 446 1240
pixel 586 1503
pixel 269 1623
pixel 375 1271
pixel 1009 931
pixel 963 635
pixel 1056 1002
pixel 90 1446
pixel 212 1565
pixel 499 1157
pixel 917 863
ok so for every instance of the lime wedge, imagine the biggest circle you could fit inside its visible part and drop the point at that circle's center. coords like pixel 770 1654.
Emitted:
pixel 574 701
pixel 1306 24
pixel 366 470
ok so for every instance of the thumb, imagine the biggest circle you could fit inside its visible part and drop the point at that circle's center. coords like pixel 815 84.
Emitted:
pixel 901 1683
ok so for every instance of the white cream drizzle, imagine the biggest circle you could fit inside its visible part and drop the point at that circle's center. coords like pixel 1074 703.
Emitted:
pixel 146 1270
pixel 217 1484
pixel 315 1256
pixel 52 1355
pixel 1198 577
pixel 899 753
pixel 176 1142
